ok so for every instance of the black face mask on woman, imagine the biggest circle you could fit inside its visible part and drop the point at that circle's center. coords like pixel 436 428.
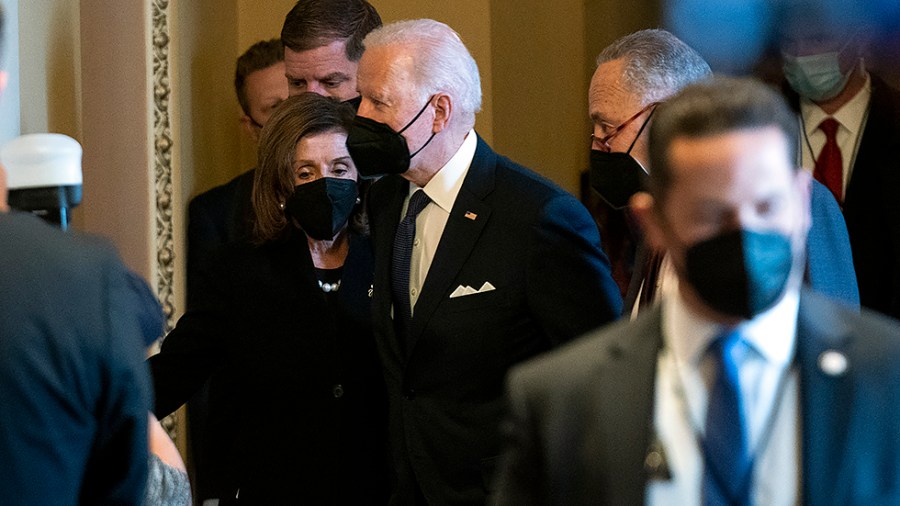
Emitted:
pixel 377 150
pixel 322 207
pixel 740 273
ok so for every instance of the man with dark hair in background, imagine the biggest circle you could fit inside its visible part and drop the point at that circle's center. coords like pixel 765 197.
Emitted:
pixel 223 214
pixel 216 217
pixel 740 387
pixel 73 386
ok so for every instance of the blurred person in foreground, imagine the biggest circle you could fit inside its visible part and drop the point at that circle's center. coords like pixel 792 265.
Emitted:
pixel 741 386
pixel 287 318
pixel 73 386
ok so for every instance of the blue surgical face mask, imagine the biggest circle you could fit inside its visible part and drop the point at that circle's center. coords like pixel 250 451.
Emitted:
pixel 817 77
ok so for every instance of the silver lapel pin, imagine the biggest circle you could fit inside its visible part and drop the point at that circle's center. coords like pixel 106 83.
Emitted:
pixel 833 363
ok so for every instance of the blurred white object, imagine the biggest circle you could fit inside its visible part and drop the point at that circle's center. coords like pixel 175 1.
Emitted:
pixel 40 160
pixel 43 175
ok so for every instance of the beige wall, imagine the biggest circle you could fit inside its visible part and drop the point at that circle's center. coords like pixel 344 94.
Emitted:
pixel 535 59
pixel 116 131
pixel 50 69
pixel 538 70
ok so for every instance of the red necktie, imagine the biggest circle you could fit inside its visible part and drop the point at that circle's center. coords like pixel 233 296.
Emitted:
pixel 829 166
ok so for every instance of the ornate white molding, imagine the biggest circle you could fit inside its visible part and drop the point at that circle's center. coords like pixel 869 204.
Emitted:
pixel 162 169
pixel 162 160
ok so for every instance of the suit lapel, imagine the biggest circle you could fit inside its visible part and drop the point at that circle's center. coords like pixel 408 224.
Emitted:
pixel 459 237
pixel 624 406
pixel 386 214
pixel 826 399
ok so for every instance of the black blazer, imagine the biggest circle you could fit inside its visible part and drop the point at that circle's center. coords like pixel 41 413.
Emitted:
pixel 74 391
pixel 307 387
pixel 871 207
pixel 216 217
pixel 539 247
pixel 581 418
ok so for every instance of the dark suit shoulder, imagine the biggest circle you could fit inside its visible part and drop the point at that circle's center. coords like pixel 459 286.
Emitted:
pixel 525 182
pixel 219 197
pixel 578 361
pixel 869 337
pixel 883 94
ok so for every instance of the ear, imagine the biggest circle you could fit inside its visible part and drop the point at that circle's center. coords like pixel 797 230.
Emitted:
pixel 249 127
pixel 643 206
pixel 443 111
pixel 4 77
pixel 3 206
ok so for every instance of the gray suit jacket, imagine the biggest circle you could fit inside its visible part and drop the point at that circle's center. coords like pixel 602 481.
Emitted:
pixel 581 417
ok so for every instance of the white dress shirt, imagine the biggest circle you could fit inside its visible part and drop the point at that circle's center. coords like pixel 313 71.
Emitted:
pixel 430 223
pixel 681 392
pixel 850 120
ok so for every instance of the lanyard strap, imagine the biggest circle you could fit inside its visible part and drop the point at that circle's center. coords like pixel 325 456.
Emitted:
pixel 768 428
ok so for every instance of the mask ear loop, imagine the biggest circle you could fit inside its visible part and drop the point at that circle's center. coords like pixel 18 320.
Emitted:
pixel 646 122
pixel 427 103
pixel 413 121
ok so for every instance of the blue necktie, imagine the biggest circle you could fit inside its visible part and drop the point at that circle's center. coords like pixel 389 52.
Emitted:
pixel 727 470
pixel 403 246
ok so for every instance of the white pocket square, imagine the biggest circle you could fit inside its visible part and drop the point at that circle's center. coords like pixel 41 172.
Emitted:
pixel 463 290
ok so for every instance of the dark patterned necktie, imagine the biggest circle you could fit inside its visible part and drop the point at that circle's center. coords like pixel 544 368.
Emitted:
pixel 403 246
pixel 727 469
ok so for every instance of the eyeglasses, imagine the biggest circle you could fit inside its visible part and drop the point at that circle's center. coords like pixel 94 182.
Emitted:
pixel 602 143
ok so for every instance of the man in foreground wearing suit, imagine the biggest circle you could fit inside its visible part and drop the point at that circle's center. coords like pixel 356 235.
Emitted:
pixel 740 387
pixel 480 262
pixel 635 73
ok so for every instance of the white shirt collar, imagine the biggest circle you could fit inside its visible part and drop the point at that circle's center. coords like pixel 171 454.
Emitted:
pixel 772 333
pixel 445 184
pixel 849 116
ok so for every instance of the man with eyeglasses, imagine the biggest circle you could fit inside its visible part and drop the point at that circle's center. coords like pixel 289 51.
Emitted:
pixel 634 75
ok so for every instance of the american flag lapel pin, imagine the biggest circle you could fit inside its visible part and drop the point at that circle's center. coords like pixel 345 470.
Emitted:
pixel 470 215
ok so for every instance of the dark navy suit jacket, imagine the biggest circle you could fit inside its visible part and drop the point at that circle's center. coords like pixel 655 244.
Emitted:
pixel 537 245
pixel 74 391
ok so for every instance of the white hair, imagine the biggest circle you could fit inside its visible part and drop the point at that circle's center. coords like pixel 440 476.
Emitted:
pixel 657 63
pixel 441 62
